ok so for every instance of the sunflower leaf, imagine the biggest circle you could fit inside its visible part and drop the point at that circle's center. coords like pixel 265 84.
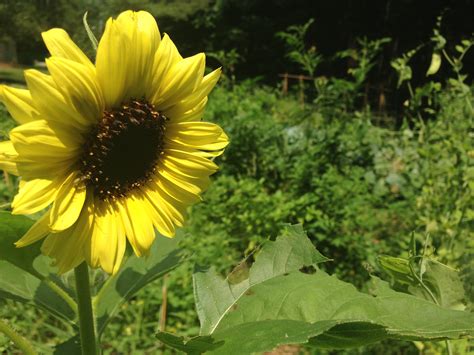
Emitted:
pixel 71 346
pixel 275 307
pixel 215 297
pixel 26 275
pixel 136 273
pixel 444 283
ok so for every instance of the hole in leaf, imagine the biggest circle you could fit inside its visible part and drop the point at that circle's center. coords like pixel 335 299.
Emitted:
pixel 310 269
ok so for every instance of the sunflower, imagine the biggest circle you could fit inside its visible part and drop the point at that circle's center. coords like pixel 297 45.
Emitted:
pixel 114 150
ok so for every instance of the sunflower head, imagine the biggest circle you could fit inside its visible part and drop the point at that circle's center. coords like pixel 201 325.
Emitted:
pixel 112 150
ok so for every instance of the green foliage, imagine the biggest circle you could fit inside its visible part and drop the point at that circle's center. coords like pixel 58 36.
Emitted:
pixel 294 38
pixel 285 299
pixel 359 190
pixel 26 275
pixel 359 187
pixel 14 75
pixel 29 277
pixel 364 57
pixel 228 60
pixel 402 68
pixel 134 275
pixel 215 298
pixel 433 281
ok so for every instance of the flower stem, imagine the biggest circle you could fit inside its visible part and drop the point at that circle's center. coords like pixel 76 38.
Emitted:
pixel 86 316
pixel 61 293
pixel 16 338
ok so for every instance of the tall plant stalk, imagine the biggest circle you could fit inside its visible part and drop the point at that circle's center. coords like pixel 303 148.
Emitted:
pixel 86 315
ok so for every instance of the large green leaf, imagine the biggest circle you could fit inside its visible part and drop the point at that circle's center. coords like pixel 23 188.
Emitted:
pixel 71 346
pixel 216 297
pixel 443 282
pixel 28 276
pixel 136 273
pixel 280 304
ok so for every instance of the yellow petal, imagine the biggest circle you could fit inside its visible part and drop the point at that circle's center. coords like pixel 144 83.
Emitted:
pixel 111 65
pixel 107 244
pixel 68 246
pixel 188 160
pixel 45 150
pixel 137 225
pixel 197 135
pixel 159 215
pixel 125 56
pixel 177 192
pixel 78 85
pixel 40 140
pixel 20 104
pixel 212 148
pixel 177 178
pixel 181 80
pixel 194 114
pixel 8 156
pixel 198 182
pixel 160 200
pixel 39 169
pixel 144 41
pixel 195 98
pixel 50 102
pixel 166 56
pixel 59 44
pixel 38 231
pixel 35 195
pixel 179 206
pixel 68 203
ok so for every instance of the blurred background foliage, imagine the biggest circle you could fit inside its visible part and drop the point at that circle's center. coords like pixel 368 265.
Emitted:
pixel 371 143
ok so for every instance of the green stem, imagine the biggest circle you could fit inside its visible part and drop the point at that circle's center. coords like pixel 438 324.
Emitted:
pixel 86 316
pixel 422 284
pixel 61 293
pixel 427 289
pixel 449 348
pixel 16 338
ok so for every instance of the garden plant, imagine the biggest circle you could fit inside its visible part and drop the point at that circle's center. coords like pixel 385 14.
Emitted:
pixel 129 190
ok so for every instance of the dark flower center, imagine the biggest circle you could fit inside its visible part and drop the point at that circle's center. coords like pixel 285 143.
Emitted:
pixel 122 151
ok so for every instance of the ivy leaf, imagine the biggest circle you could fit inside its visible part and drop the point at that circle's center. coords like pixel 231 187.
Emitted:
pixel 136 273
pixel 26 275
pixel 279 304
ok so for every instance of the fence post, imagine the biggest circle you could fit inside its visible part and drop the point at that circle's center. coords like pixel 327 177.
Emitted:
pixel 301 82
pixel 285 84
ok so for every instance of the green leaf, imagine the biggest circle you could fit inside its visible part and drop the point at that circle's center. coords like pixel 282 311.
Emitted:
pixel 26 275
pixel 136 273
pixel 90 34
pixel 216 297
pixel 434 65
pixel 398 269
pixel 444 282
pixel 265 335
pixel 72 346
pixel 280 304
pixel 197 345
